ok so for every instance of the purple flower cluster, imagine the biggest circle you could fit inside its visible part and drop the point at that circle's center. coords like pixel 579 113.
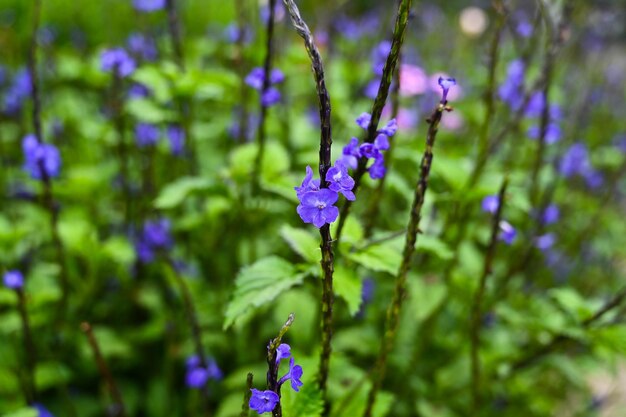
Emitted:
pixel 512 90
pixel 13 280
pixel 317 204
pixel 155 237
pixel 117 60
pixel 352 152
pixel 256 78
pixel 446 84
pixel 40 156
pixel 147 134
pixel 42 411
pixel 197 376
pixel 265 401
pixel 490 204
pixel 18 91
pixel 575 162
pixel 142 47
pixel 148 5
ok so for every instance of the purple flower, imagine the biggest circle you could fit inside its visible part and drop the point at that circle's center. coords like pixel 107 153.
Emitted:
pixel 508 232
pixel 340 181
pixel 594 179
pixel 263 401
pixel 364 120
pixel 524 29
pixel 551 214
pixel 369 150
pixel 283 351
pixel 446 84
pixel 42 411
pixel 491 203
pixel 381 143
pixel 13 280
pixel 317 207
pixel 155 236
pixel 545 242
pixel 377 170
pixel 256 77
pixel 512 90
pixel 117 60
pixel 18 91
pixel 294 374
pixel 379 57
pixel 308 184
pixel 390 129
pixel 142 46
pixel 270 97
pixel 197 376
pixel 232 32
pixel 146 134
pixel 176 136
pixel 371 89
pixel 40 156
pixel 553 133
pixel 574 161
pixel 138 90
pixel 351 154
pixel 148 5
pixel 535 105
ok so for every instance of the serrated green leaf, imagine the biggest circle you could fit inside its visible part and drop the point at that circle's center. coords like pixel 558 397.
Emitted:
pixel 173 194
pixel 306 403
pixel 384 257
pixel 259 284
pixel 349 287
pixel 302 242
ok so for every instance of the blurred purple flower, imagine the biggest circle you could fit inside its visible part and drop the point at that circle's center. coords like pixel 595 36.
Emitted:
pixel 446 84
pixel 148 5
pixel 512 90
pixel 535 105
pixel 117 59
pixel 508 232
pixel 176 136
pixel 551 214
pixel 364 120
pixel 197 376
pixel 42 411
pixel 13 280
pixel 379 56
pixel 575 161
pixel 524 28
pixel 146 134
pixel 545 242
pixel 142 46
pixel 232 33
pixel 553 133
pixel 351 153
pixel 155 236
pixel 270 97
pixel 138 90
pixel 490 204
pixel 18 91
pixel 40 156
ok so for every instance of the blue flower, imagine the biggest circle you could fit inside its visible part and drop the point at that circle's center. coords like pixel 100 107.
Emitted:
pixel 378 170
pixel 283 351
pixel 512 90
pixel 553 133
pixel 42 411
pixel 535 105
pixel 364 120
pixel 508 232
pixel 545 242
pixel 176 136
pixel 308 184
pixel 270 97
pixel 148 5
pixel 40 156
pixel 294 375
pixel 340 181
pixel 351 154
pixel 13 280
pixel 142 46
pixel 146 134
pixel 550 214
pixel 317 207
pixel 490 204
pixel 263 401
pixel 18 91
pixel 446 84
pixel 390 128
pixel 197 376
pixel 154 237
pixel 117 60
pixel 256 78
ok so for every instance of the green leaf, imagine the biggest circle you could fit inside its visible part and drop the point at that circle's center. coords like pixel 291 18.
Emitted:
pixel 173 194
pixel 425 296
pixel 24 412
pixel 259 284
pixel 302 242
pixel 155 80
pixel 145 110
pixel 571 302
pixel 51 374
pixel 384 257
pixel 306 403
pixel 349 287
pixel 434 245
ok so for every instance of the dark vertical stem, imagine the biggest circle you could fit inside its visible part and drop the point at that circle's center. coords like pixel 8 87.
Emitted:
pixel 379 103
pixel 120 409
pixel 196 331
pixel 174 29
pixel 240 64
pixel 267 67
pixel 272 364
pixel 245 407
pixel 393 312
pixel 326 244
pixel 476 313
pixel 31 354
pixel 48 197
pixel 372 212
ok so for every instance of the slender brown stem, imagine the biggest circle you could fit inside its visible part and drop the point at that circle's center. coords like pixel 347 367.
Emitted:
pixel 379 103
pixel 476 316
pixel 267 66
pixel 174 29
pixel 272 364
pixel 48 197
pixel 120 409
pixel 372 213
pixel 393 312
pixel 326 244
pixel 31 354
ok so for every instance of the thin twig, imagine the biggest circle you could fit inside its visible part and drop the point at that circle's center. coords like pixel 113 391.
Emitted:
pixel 245 407
pixel 379 103
pixel 272 364
pixel 326 142
pixel 120 409
pixel 174 29
pixel 393 313
pixel 476 316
